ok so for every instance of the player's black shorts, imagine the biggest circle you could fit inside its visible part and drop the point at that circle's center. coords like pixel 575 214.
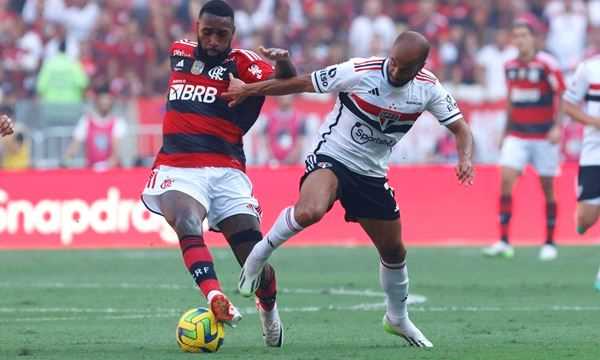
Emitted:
pixel 588 181
pixel 363 197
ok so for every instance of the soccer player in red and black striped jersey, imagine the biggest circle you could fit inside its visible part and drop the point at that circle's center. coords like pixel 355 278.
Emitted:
pixel 535 85
pixel 200 170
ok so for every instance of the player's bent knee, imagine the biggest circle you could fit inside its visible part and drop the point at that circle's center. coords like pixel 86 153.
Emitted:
pixel 187 224
pixel 250 236
pixel 308 214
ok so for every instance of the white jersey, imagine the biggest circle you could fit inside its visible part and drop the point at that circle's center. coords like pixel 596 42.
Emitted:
pixel 371 115
pixel 585 85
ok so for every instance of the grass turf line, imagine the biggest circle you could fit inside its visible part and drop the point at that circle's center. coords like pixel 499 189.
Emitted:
pixel 124 305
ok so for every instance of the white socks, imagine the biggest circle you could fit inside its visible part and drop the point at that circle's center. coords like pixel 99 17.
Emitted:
pixel 284 228
pixel 394 281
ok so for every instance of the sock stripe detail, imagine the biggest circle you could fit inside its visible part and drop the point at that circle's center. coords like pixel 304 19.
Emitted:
pixel 203 270
pixel 189 242
pixel 290 221
pixel 399 266
pixel 185 248
pixel 186 237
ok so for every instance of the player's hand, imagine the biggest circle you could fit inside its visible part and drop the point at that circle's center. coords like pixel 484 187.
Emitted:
pixel 465 172
pixel 274 54
pixel 554 135
pixel 6 126
pixel 236 92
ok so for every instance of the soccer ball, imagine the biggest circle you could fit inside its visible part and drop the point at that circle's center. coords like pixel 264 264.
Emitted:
pixel 199 331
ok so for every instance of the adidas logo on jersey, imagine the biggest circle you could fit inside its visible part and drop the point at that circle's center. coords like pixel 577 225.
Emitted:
pixel 203 94
pixel 374 91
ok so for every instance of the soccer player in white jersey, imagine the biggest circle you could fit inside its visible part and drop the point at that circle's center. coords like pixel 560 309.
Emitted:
pixel 585 86
pixel 6 126
pixel 379 100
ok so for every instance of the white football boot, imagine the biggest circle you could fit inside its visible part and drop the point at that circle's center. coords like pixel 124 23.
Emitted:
pixel 272 328
pixel 548 252
pixel 250 281
pixel 500 249
pixel 408 331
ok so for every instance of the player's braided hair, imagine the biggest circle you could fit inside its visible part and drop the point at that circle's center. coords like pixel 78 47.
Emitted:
pixel 217 8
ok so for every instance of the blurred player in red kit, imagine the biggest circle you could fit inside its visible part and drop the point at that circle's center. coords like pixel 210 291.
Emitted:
pixel 200 170
pixel 532 136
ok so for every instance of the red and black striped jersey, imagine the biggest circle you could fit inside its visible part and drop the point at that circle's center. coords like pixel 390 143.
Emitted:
pixel 199 128
pixel 533 88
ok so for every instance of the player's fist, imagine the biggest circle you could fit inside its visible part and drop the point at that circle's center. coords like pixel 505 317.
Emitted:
pixel 465 172
pixel 274 54
pixel 6 125
pixel 236 92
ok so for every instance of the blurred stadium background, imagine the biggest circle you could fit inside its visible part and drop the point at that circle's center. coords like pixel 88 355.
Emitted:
pixel 58 55
pixel 123 45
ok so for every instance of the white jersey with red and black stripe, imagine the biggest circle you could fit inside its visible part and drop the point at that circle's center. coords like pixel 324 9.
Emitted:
pixel 585 86
pixel 371 115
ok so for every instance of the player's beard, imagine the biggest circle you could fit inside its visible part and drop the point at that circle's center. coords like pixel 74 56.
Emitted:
pixel 212 60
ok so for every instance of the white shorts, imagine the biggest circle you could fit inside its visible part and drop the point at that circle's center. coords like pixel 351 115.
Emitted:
pixel 544 156
pixel 224 192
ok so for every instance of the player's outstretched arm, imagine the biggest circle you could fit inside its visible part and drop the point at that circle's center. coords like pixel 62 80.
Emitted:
pixel 579 115
pixel 464 146
pixel 6 125
pixel 239 90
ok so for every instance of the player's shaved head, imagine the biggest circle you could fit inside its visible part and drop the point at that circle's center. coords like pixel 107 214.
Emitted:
pixel 407 57
pixel 413 45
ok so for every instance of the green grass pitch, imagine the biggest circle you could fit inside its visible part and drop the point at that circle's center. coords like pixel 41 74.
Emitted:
pixel 124 305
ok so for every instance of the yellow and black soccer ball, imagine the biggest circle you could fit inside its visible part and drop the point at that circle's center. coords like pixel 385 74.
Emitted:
pixel 199 331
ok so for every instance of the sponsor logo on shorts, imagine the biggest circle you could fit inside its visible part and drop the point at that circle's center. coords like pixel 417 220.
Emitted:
pixel 363 134
pixel 324 165
pixel 310 162
pixel 167 183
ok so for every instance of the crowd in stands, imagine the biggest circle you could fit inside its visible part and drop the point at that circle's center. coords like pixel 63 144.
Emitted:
pixel 62 51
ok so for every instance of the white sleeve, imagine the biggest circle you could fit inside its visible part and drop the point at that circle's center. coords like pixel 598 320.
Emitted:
pixel 120 129
pixel 81 129
pixel 578 86
pixel 443 106
pixel 335 78
pixel 481 58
